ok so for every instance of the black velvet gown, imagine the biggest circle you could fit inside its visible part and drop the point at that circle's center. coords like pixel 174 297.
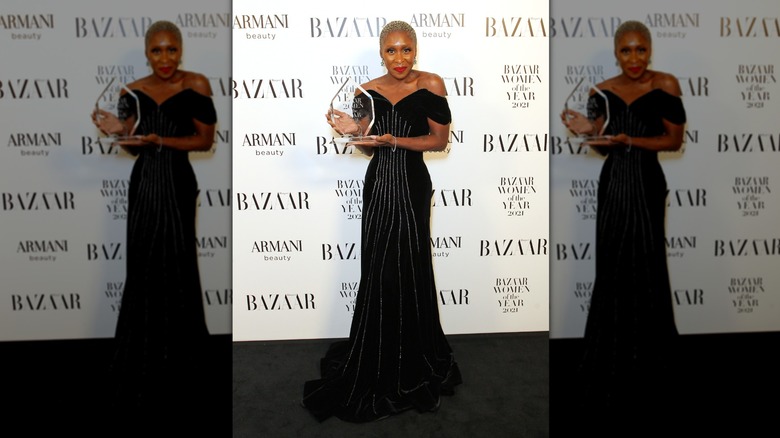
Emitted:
pixel 630 331
pixel 161 329
pixel 396 357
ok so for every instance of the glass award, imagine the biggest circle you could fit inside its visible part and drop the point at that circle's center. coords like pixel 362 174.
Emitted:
pixel 580 106
pixel 352 117
pixel 120 116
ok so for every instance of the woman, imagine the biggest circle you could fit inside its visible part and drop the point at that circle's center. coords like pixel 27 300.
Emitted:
pixel 161 327
pixel 630 329
pixel 396 357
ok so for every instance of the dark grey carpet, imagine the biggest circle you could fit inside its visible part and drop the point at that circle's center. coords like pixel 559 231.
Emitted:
pixel 505 392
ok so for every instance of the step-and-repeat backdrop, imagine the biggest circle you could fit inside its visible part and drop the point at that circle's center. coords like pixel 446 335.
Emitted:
pixel 297 195
pixel 722 235
pixel 63 195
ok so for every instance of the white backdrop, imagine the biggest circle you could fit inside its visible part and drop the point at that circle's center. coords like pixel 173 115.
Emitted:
pixel 63 197
pixel 297 197
pixel 723 243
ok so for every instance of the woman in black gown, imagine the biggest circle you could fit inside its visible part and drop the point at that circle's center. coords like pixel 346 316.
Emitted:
pixel 630 331
pixel 397 357
pixel 161 329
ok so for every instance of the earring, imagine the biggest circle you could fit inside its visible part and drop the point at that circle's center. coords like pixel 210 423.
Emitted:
pixel 415 61
pixel 382 63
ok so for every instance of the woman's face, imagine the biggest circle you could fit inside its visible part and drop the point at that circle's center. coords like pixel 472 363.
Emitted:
pixel 398 53
pixel 633 54
pixel 164 54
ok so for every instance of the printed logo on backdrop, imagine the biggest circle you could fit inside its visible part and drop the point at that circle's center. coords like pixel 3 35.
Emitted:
pixel 35 302
pixel 516 193
pixel 277 250
pixel 341 251
pixel 42 250
pixel 750 27
pixel 522 82
pixel 746 293
pixel 751 193
pixel 214 198
pixel 218 297
pixel 747 247
pixel 346 27
pixel 272 301
pixel 92 146
pixel 514 142
pixel 37 201
pixel 222 136
pixel 459 86
pixel 756 82
pixel 515 27
pixel 511 293
pixel 114 193
pixel 574 251
pixel 112 27
pixel 688 297
pixel 748 142
pixel 26 27
pixel 440 25
pixel 327 145
pixel 222 87
pixel 113 293
pixel 268 88
pixel 679 246
pixel 268 144
pixel 260 27
pixel 105 251
pixel 686 197
pixel 33 88
pixel 584 193
pixel 460 197
pixel 672 24
pixel 444 246
pixel 582 293
pixel 584 27
pixel 34 144
pixel 694 86
pixel 272 201
pixel 561 146
pixel 348 291
pixel 209 246
pixel 515 247
pixel 349 195
pixel 454 297
pixel 204 25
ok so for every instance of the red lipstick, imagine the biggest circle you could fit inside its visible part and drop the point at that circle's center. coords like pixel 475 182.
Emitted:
pixel 400 69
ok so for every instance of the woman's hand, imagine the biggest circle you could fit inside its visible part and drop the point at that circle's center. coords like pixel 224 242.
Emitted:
pixel 342 122
pixel 577 123
pixel 376 141
pixel 107 123
pixel 151 140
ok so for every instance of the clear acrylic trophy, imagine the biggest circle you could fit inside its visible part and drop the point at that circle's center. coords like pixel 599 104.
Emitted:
pixel 126 111
pixel 581 108
pixel 353 118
